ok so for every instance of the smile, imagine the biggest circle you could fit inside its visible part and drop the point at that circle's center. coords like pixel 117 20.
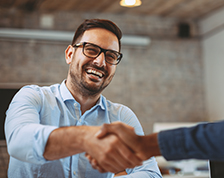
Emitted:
pixel 94 72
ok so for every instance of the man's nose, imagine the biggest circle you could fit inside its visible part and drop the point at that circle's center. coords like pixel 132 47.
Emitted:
pixel 100 60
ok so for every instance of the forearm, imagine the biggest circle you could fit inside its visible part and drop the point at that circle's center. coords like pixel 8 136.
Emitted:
pixel 67 141
pixel 149 146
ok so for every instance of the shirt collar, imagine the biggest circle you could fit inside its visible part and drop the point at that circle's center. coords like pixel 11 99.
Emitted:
pixel 66 95
pixel 101 102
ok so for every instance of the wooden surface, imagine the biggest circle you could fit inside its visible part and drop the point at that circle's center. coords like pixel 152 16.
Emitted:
pixel 183 9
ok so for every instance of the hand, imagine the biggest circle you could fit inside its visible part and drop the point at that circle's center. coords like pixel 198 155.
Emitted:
pixel 144 146
pixel 95 165
pixel 109 154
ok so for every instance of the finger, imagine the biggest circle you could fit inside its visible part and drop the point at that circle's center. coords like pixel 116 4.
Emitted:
pixel 107 163
pixel 117 128
pixel 122 157
pixel 112 159
pixel 127 134
pixel 95 165
pixel 128 158
pixel 88 157
pixel 109 128
pixel 103 131
pixel 114 163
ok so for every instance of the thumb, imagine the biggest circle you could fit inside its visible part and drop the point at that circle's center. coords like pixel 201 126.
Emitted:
pixel 103 131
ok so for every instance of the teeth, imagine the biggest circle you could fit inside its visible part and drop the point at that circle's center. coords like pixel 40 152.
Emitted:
pixel 90 71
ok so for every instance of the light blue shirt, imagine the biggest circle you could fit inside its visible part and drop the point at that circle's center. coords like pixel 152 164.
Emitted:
pixel 36 111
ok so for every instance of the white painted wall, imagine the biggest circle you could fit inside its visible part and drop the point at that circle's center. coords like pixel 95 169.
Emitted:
pixel 212 30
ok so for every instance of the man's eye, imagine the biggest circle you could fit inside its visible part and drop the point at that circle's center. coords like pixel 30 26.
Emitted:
pixel 111 56
pixel 91 50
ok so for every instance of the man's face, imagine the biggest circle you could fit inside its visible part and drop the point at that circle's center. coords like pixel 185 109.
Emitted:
pixel 90 76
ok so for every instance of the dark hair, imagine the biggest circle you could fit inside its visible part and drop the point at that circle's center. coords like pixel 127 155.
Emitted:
pixel 97 23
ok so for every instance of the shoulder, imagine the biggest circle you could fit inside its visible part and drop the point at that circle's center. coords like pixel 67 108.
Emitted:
pixel 118 107
pixel 35 92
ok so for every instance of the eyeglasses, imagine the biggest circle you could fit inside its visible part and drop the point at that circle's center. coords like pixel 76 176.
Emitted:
pixel 93 51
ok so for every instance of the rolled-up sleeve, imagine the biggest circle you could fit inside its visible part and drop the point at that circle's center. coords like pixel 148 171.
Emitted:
pixel 149 169
pixel 26 137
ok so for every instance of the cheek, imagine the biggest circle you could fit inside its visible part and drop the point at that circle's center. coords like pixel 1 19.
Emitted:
pixel 77 61
pixel 111 71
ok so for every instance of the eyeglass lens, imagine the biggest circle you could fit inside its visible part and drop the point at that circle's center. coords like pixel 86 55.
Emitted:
pixel 93 51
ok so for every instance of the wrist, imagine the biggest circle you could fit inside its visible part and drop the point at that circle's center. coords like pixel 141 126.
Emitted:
pixel 87 136
pixel 148 146
pixel 152 144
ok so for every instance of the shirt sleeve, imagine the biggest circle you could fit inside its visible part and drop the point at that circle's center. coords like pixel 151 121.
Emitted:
pixel 149 169
pixel 203 141
pixel 26 137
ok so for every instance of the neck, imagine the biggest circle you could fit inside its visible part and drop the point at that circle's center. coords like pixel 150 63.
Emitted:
pixel 86 101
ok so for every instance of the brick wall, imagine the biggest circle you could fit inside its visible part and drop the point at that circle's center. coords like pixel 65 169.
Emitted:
pixel 162 82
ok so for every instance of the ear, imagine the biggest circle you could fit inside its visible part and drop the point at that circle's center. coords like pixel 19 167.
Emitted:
pixel 69 52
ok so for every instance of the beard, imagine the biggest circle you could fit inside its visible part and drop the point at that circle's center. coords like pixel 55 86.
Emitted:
pixel 85 88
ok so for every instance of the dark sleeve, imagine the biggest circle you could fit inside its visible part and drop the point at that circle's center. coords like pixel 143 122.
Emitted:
pixel 204 141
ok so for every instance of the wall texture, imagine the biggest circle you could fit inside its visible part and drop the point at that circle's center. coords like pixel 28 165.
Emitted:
pixel 161 82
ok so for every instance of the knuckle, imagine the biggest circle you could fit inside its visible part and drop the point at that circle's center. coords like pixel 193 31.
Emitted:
pixel 129 156
pixel 113 141
pixel 108 151
pixel 105 126
pixel 104 159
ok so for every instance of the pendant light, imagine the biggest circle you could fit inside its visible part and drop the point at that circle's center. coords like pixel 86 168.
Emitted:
pixel 130 3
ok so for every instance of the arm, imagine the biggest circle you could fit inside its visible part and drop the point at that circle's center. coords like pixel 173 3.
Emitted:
pixel 33 135
pixel 110 152
pixel 203 141
pixel 25 136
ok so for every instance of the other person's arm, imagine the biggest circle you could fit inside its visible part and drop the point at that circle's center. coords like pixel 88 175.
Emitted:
pixel 203 141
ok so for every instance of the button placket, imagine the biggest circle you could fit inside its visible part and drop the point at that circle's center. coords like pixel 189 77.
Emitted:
pixel 77 112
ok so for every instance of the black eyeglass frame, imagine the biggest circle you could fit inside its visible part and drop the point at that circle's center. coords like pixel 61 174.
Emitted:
pixel 120 55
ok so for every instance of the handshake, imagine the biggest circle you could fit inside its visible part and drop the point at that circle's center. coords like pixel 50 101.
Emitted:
pixel 120 148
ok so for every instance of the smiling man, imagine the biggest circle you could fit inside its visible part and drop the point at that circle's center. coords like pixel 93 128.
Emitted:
pixel 49 129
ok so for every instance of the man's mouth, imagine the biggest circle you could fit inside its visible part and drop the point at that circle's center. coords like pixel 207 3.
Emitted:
pixel 94 72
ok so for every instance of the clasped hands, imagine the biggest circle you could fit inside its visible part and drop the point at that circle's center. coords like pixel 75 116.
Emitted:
pixel 121 148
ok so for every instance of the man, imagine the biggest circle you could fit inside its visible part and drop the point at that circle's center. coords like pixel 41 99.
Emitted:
pixel 49 129
pixel 203 141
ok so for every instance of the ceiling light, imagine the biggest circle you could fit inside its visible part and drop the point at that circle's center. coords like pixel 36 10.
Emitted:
pixel 130 3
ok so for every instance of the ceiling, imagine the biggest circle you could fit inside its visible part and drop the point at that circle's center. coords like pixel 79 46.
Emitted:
pixel 182 9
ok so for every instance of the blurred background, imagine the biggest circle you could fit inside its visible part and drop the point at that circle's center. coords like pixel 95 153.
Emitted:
pixel 172 69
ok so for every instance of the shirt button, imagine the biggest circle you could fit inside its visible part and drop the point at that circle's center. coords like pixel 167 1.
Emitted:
pixel 80 120
pixel 75 104
pixel 74 173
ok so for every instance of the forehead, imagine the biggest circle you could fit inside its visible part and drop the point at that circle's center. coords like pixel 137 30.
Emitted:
pixel 101 37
